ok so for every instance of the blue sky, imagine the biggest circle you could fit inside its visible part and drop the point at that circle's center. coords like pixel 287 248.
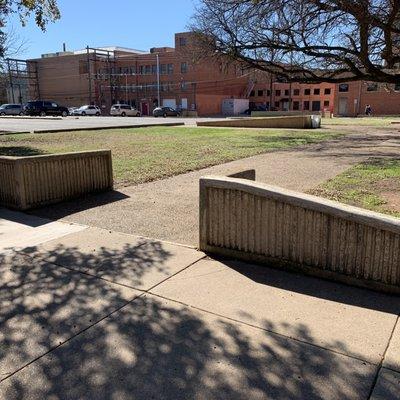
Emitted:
pixel 130 23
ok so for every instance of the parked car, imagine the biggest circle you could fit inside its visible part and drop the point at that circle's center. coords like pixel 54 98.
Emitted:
pixel 72 109
pixel 87 110
pixel 44 108
pixel 123 110
pixel 256 108
pixel 165 112
pixel 11 109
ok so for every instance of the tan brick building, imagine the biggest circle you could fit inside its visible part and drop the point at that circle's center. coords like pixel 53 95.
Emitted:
pixel 105 76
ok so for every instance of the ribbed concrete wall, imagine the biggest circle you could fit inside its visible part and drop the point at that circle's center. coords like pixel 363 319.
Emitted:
pixel 9 191
pixel 285 229
pixel 287 122
pixel 28 182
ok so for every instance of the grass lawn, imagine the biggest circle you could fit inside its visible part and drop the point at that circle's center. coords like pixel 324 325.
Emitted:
pixel 145 154
pixel 374 185
pixel 363 121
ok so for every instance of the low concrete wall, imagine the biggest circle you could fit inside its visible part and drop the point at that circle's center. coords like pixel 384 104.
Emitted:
pixel 28 182
pixel 294 122
pixel 290 230
pixel 323 114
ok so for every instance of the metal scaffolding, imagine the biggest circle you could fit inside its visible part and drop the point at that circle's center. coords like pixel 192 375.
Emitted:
pixel 23 82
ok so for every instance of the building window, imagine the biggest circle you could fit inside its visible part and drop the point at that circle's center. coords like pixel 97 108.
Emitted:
pixel 83 67
pixel 148 70
pixel 277 104
pixel 252 93
pixel 184 68
pixel 306 105
pixel 141 70
pixel 286 92
pixel 182 41
pixel 296 92
pixel 307 92
pixel 170 69
pixel 327 91
pixel 372 87
pixel 132 70
pixel 344 87
pixel 326 103
pixel 260 93
pixel 153 69
pixel 316 92
pixel 183 86
pixel 277 92
pixel 316 105
pixel 163 69
pixel 296 105
pixel 268 93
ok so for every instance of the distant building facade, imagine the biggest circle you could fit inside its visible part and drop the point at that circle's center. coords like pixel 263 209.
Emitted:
pixel 176 77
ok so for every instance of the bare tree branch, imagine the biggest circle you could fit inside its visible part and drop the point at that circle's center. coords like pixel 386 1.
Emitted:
pixel 306 40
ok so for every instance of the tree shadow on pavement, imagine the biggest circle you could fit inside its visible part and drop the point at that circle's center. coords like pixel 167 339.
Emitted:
pixel 111 342
pixel 66 208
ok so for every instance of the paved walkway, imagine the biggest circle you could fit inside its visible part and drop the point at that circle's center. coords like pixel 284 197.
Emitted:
pixel 95 314
pixel 168 209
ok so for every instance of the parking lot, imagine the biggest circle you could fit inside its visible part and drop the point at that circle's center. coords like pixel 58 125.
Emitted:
pixel 35 124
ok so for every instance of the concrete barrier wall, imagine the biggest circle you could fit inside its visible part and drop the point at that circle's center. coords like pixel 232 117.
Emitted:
pixel 290 230
pixel 28 182
pixel 289 122
pixel 323 114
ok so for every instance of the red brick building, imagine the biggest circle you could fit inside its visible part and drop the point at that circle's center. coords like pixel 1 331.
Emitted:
pixel 177 77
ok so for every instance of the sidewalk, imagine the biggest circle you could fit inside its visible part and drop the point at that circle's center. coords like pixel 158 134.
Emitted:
pixel 168 209
pixel 93 314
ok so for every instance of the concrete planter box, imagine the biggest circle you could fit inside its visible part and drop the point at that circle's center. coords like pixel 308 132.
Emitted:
pixel 28 182
pixel 287 122
pixel 290 230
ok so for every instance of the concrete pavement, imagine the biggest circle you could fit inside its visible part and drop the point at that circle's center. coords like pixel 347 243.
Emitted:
pixel 95 314
pixel 25 124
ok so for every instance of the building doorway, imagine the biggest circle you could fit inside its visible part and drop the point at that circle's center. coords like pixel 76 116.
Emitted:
pixel 316 105
pixel 144 108
pixel 342 105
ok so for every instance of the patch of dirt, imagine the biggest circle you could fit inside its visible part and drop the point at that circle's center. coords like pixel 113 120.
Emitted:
pixel 389 190
pixel 392 200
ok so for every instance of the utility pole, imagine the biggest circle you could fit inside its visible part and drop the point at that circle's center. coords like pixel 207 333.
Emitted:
pixel 126 88
pixel 89 74
pixel 158 80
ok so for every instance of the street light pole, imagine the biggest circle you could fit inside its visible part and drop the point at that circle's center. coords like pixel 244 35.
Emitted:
pixel 126 88
pixel 158 81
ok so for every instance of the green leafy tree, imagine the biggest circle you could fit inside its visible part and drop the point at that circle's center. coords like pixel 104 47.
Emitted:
pixel 44 11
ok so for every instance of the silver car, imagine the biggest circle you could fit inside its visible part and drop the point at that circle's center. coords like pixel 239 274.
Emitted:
pixel 11 109
pixel 87 110
pixel 124 110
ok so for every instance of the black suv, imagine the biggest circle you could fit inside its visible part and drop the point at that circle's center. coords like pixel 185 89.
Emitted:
pixel 44 108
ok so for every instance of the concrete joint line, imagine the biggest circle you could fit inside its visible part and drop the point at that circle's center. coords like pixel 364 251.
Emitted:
pixel 96 322
pixel 265 330
pixel 374 382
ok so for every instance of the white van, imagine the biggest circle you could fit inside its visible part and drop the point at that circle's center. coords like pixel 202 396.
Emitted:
pixel 123 110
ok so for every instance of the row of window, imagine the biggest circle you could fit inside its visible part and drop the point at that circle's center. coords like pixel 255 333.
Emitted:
pixel 165 69
pixel 307 105
pixel 152 86
pixel 296 92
